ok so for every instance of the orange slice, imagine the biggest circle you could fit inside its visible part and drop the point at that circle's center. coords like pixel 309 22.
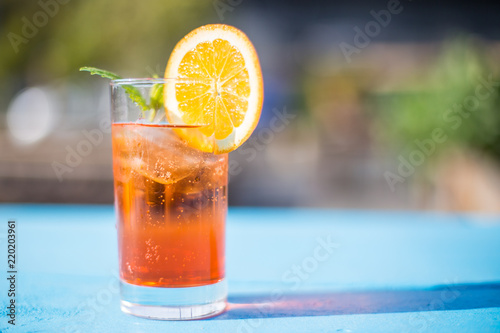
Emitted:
pixel 228 97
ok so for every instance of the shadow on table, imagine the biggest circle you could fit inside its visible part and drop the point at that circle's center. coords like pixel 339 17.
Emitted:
pixel 454 297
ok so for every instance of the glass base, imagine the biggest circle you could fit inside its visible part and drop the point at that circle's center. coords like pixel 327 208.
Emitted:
pixel 174 303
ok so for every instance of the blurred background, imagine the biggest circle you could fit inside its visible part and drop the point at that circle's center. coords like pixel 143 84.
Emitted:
pixel 379 104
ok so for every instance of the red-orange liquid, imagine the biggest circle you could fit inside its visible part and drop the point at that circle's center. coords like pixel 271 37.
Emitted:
pixel 171 203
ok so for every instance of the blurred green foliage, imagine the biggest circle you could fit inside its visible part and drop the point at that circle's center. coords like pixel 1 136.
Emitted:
pixel 120 35
pixel 133 38
pixel 445 96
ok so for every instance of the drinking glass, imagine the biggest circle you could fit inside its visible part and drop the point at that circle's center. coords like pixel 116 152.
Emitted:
pixel 171 205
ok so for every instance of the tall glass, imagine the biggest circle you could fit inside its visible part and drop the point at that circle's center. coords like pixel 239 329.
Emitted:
pixel 171 205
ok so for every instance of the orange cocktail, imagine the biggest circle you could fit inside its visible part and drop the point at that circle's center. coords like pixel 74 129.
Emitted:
pixel 171 202
pixel 170 138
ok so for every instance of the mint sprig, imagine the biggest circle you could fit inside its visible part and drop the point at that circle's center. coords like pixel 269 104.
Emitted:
pixel 100 72
pixel 156 98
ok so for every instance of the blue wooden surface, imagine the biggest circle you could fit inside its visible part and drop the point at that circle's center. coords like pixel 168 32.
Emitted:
pixel 386 272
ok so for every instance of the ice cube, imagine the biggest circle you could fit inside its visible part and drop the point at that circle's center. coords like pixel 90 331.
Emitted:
pixel 159 154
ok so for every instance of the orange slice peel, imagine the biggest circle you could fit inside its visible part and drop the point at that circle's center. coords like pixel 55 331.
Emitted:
pixel 226 101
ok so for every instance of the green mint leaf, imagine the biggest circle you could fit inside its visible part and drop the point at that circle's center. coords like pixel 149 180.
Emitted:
pixel 136 96
pixel 100 72
pixel 157 96
pixel 155 99
pixel 131 91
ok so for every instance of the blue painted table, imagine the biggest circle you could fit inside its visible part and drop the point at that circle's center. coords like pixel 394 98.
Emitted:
pixel 289 270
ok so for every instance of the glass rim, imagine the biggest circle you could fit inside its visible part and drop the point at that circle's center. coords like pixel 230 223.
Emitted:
pixel 152 80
